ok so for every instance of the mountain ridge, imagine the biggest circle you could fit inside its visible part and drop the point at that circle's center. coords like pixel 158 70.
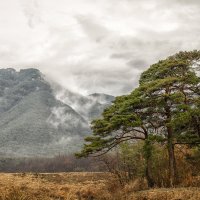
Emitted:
pixel 36 121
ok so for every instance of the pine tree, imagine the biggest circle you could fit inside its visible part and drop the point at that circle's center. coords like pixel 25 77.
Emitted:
pixel 164 108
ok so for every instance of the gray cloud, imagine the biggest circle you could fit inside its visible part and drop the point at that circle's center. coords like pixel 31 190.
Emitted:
pixel 93 46
pixel 31 10
pixel 92 28
pixel 137 63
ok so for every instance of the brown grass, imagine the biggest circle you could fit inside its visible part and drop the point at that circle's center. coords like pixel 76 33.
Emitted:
pixel 167 194
pixel 83 186
pixel 62 186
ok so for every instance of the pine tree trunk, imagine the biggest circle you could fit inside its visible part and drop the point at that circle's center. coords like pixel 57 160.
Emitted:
pixel 150 181
pixel 172 163
pixel 148 156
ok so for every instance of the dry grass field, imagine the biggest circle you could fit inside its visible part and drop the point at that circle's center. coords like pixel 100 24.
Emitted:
pixel 82 186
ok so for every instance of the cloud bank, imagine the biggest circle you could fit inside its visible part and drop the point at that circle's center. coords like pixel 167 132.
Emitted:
pixel 95 45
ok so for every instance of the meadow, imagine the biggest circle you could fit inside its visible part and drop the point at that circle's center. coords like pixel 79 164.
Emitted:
pixel 84 186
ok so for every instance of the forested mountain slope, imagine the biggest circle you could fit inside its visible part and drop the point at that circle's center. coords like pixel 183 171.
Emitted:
pixel 34 121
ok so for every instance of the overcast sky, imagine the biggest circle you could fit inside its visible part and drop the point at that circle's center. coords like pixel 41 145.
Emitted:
pixel 95 45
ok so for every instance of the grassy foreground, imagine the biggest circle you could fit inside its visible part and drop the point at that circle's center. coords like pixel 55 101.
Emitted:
pixel 83 186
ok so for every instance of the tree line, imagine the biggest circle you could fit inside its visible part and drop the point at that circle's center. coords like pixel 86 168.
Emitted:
pixel 59 163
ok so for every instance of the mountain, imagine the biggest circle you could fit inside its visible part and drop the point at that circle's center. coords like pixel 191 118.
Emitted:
pixel 37 118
